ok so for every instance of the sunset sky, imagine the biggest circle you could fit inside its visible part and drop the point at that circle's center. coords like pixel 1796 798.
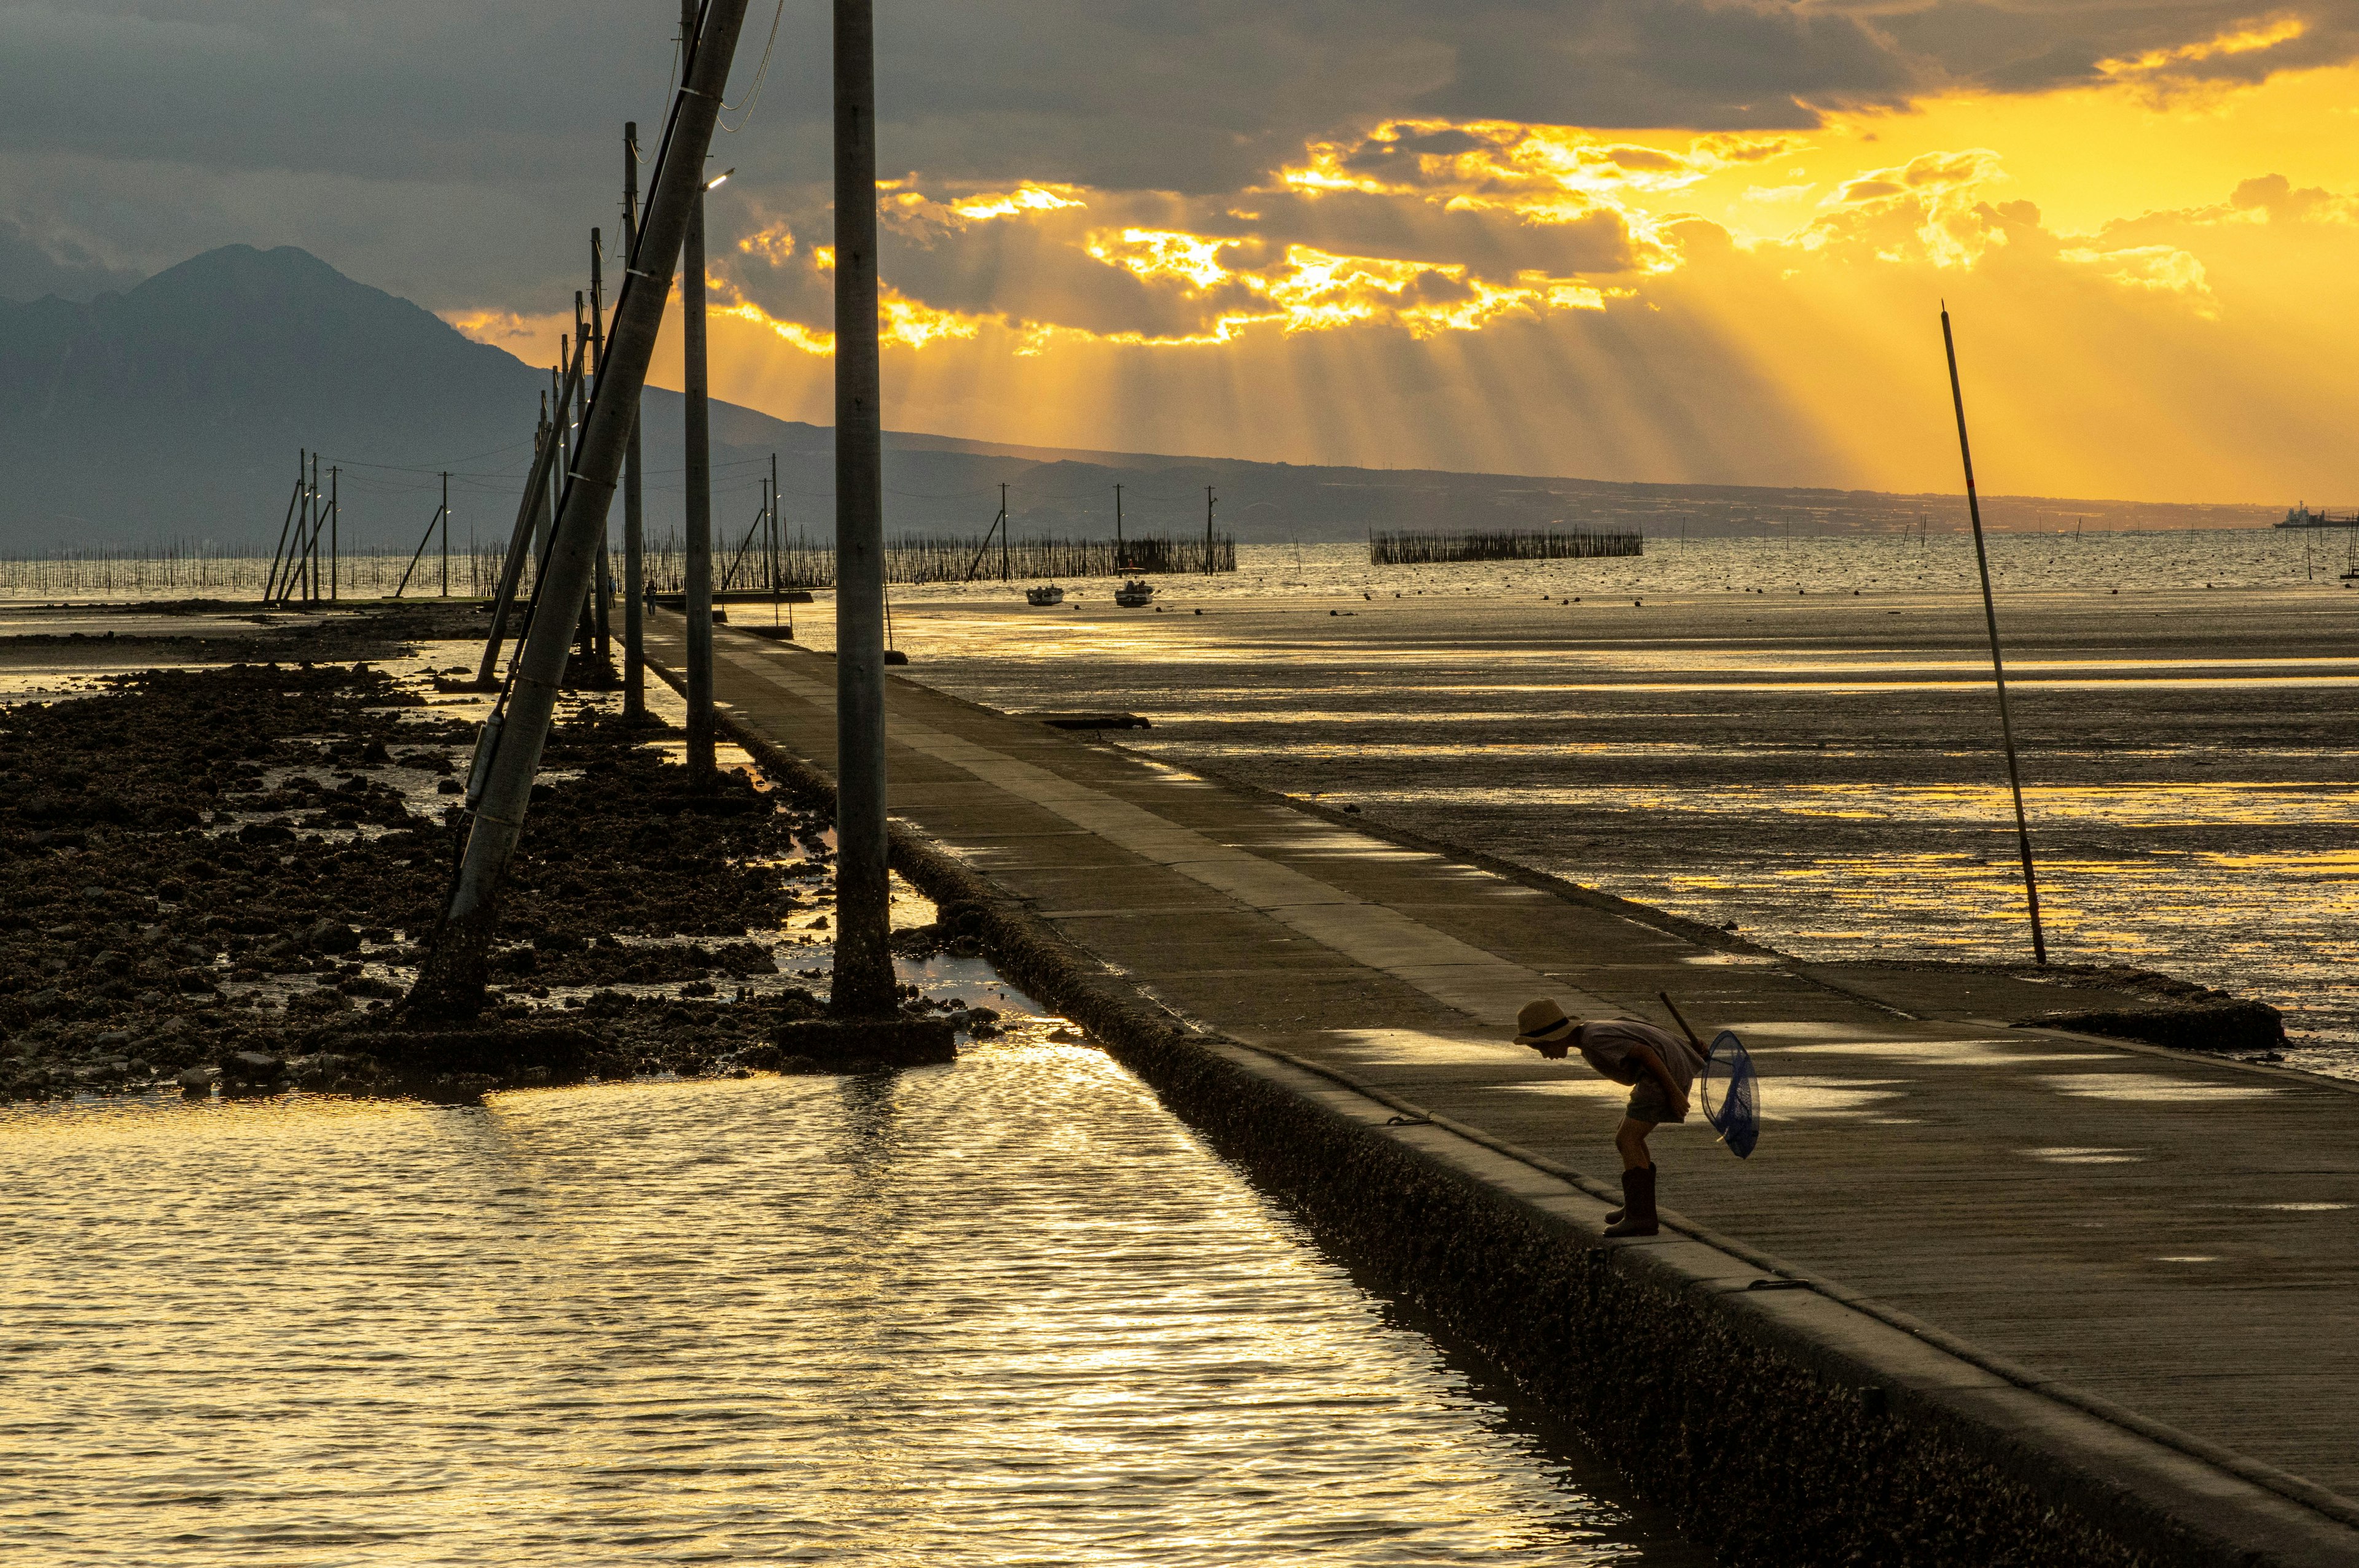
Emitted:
pixel 1660 240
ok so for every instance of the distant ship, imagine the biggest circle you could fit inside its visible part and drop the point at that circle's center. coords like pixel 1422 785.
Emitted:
pixel 1048 593
pixel 2303 517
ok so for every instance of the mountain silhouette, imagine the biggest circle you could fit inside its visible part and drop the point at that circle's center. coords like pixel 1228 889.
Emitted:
pixel 174 410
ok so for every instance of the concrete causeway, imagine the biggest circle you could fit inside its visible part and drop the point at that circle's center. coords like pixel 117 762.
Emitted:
pixel 2142 1262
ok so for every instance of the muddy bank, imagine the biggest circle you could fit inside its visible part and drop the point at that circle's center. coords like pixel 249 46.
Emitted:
pixel 218 631
pixel 224 876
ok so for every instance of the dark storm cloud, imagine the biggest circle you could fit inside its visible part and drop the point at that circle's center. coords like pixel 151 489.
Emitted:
pixel 455 149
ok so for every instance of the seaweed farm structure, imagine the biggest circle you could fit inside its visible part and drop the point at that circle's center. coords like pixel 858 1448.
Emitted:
pixel 1409 549
pixel 806 563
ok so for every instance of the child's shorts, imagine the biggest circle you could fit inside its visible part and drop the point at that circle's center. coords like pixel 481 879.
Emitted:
pixel 1649 1104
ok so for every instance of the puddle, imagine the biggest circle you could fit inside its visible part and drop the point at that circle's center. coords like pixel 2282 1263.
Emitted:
pixel 2150 1088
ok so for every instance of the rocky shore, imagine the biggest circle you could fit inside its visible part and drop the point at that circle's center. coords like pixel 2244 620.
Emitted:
pixel 220 878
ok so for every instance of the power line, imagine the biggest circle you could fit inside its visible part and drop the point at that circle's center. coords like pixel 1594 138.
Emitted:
pixel 754 95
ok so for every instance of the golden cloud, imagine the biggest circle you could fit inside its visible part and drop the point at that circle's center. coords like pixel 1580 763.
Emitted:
pixel 2161 269
pixel 902 206
pixel 1931 208
pixel 911 323
pixel 2249 38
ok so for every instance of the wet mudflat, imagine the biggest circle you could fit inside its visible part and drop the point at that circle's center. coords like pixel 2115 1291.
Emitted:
pixel 1819 768
pixel 225 875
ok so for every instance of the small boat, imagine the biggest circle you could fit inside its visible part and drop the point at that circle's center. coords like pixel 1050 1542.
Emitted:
pixel 1047 594
pixel 1133 595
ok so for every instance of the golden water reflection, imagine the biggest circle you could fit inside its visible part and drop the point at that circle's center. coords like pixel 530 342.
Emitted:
pixel 1009 1311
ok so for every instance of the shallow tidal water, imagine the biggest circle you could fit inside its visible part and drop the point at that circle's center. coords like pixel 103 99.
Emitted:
pixel 1007 1312
pixel 1795 737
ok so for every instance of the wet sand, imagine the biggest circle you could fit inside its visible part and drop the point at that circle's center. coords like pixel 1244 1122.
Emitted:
pixel 1821 772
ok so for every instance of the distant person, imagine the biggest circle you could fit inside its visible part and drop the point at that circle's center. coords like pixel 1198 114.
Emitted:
pixel 1658 1065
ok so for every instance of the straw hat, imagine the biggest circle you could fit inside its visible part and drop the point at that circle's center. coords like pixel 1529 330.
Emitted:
pixel 1542 1022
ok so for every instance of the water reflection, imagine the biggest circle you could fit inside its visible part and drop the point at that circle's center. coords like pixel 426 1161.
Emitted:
pixel 1008 1311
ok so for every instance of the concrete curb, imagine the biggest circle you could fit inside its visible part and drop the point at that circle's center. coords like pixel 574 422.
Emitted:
pixel 1795 1421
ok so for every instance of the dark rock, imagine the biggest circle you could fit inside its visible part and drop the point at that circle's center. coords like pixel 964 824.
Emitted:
pixel 895 1041
pixel 252 1066
pixel 2227 1028
pixel 560 1054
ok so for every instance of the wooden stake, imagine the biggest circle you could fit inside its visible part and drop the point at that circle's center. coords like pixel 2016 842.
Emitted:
pixel 1998 665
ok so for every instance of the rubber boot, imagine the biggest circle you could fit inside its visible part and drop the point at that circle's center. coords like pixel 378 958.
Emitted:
pixel 1637 1218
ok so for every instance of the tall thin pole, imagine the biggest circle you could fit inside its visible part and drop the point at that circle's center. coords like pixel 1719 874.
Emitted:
pixel 508 752
pixel 603 593
pixel 446 533
pixel 1121 561
pixel 311 549
pixel 774 540
pixel 697 436
pixel 546 457
pixel 1998 667
pixel 1002 533
pixel 635 666
pixel 335 517
pixel 1208 530
pixel 286 524
pixel 862 984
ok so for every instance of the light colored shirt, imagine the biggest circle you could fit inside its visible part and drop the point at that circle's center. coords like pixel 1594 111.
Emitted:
pixel 1605 1045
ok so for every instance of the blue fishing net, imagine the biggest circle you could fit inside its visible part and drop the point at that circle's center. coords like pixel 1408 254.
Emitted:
pixel 1731 1094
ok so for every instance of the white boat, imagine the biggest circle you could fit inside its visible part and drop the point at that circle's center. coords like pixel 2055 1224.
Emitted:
pixel 1132 594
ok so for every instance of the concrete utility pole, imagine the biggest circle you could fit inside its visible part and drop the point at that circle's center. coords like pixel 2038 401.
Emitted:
pixel 451 980
pixel 520 541
pixel 603 594
pixel 1208 530
pixel 698 437
pixel 634 657
pixel 862 986
pixel 548 475
pixel 335 517
pixel 446 533
pixel 1120 560
pixel 587 635
pixel 286 525
pixel 311 547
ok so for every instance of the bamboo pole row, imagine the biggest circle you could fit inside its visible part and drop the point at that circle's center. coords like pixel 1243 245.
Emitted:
pixel 1413 550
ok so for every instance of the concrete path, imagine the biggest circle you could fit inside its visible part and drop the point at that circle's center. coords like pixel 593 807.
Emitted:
pixel 2175 1235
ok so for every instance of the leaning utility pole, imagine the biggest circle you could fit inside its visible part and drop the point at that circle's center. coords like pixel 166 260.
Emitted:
pixel 635 664
pixel 698 437
pixel 285 526
pixel 520 542
pixel 862 986
pixel 507 754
